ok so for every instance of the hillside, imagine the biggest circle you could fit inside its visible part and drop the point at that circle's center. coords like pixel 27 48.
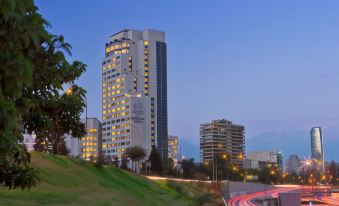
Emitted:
pixel 68 181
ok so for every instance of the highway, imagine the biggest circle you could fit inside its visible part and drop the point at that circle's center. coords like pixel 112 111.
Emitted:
pixel 330 200
pixel 246 200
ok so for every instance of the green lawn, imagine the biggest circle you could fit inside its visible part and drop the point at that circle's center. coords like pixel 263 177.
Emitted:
pixel 67 181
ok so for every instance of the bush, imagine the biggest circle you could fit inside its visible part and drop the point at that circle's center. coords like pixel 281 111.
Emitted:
pixel 101 160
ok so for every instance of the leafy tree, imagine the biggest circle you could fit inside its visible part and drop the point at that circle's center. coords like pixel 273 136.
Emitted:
pixel 222 166
pixel 292 178
pixel 41 145
pixel 332 172
pixel 171 170
pixel 59 146
pixel 269 174
pixel 116 162
pixel 135 153
pixel 100 160
pixel 155 158
pixel 189 168
pixel 33 74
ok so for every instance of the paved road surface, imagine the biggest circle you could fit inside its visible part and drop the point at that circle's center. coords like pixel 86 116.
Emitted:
pixel 246 200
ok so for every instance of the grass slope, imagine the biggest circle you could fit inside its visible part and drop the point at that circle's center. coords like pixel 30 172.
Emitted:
pixel 67 181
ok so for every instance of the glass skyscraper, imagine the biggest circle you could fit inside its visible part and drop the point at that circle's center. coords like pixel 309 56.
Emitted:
pixel 317 147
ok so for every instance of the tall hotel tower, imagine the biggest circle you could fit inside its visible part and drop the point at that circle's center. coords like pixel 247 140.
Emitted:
pixel 134 92
pixel 317 147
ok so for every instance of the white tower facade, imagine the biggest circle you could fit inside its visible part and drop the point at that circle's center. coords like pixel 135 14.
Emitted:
pixel 134 92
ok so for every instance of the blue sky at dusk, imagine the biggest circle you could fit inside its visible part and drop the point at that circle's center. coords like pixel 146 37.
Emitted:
pixel 271 66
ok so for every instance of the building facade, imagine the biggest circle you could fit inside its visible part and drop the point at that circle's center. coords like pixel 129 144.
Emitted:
pixel 134 92
pixel 259 159
pixel 222 137
pixel 317 147
pixel 173 149
pixel 293 164
pixel 89 146
pixel 29 141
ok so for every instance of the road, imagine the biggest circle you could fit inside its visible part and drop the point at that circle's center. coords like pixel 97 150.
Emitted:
pixel 246 200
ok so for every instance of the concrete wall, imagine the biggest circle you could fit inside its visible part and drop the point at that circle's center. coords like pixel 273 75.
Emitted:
pixel 289 199
pixel 233 189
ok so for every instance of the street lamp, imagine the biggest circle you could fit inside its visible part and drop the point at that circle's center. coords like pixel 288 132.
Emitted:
pixel 224 156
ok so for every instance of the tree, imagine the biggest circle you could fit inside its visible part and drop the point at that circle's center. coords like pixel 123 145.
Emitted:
pixel 116 162
pixel 41 145
pixel 33 73
pixel 135 153
pixel 100 160
pixel 156 163
pixel 171 171
pixel 59 146
pixel 189 168
pixel 270 174
pixel 332 170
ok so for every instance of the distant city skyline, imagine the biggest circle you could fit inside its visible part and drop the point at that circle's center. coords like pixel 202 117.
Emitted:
pixel 258 65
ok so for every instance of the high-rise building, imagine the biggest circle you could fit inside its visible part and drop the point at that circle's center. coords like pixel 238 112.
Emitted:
pixel 259 159
pixel 88 146
pixel 134 92
pixel 173 148
pixel 317 147
pixel 293 164
pixel 222 137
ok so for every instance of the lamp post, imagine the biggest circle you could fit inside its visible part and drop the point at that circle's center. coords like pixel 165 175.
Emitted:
pixel 241 157
pixel 309 164
pixel 224 157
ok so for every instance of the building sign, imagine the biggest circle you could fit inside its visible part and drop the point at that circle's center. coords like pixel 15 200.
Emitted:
pixel 137 111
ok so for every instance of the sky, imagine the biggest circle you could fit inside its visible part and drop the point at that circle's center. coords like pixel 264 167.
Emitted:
pixel 271 66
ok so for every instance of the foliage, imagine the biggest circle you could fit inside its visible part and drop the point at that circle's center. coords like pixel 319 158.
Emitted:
pixel 41 144
pixel 171 170
pixel 135 153
pixel 333 172
pixel 33 71
pixel 100 160
pixel 59 146
pixel 116 162
pixel 188 167
pixel 270 174
pixel 155 158
pixel 203 193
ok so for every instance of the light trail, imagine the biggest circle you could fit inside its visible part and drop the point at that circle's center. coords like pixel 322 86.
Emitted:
pixel 246 200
